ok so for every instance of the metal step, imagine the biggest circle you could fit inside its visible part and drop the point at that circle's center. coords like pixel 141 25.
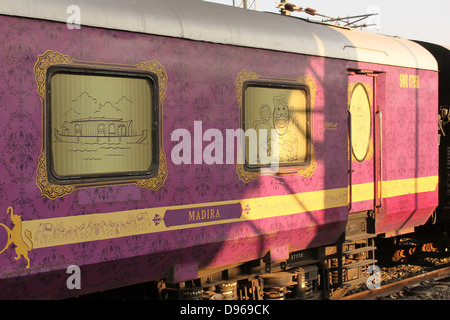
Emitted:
pixel 360 264
pixel 359 250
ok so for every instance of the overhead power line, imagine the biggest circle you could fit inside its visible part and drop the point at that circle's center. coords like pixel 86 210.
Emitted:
pixel 287 8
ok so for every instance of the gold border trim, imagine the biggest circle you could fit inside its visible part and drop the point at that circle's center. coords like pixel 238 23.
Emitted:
pixel 158 181
pixel 48 189
pixel 247 75
pixel 50 58
pixel 82 228
pixel 47 59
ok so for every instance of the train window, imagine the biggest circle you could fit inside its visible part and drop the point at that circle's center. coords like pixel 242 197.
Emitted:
pixel 100 124
pixel 283 111
pixel 360 109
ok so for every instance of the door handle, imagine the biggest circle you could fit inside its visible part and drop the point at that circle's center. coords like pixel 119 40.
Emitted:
pixel 350 171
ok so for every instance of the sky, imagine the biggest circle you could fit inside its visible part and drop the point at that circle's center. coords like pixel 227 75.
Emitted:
pixel 412 19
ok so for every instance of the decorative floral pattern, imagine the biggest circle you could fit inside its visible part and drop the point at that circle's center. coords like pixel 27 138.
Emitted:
pixel 19 48
pixel 20 147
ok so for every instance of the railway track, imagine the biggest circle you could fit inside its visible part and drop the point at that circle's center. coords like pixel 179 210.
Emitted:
pixel 394 287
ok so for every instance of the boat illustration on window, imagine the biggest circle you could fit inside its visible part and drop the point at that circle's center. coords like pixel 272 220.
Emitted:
pixel 99 130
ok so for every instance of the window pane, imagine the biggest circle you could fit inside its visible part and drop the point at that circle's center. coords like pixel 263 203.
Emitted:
pixel 284 110
pixel 361 121
pixel 100 125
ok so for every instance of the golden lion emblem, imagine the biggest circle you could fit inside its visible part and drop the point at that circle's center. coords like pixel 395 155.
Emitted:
pixel 15 237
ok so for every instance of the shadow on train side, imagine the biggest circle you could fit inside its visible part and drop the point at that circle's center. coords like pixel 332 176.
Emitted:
pixel 269 241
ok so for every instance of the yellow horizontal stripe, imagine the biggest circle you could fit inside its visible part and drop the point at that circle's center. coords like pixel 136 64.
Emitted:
pixel 395 188
pixel 75 229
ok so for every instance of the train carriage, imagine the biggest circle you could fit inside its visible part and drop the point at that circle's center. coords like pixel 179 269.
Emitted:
pixel 123 150
pixel 439 224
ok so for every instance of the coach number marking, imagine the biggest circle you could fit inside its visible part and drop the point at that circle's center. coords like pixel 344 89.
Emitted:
pixel 409 81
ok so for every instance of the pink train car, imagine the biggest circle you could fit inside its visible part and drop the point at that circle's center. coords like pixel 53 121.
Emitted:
pixel 219 152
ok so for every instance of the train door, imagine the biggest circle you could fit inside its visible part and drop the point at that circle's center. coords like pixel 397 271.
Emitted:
pixel 364 142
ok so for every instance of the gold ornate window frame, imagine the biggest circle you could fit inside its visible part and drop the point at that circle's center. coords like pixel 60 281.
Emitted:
pixel 52 189
pixel 247 76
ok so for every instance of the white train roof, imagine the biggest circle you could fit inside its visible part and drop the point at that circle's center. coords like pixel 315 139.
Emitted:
pixel 211 22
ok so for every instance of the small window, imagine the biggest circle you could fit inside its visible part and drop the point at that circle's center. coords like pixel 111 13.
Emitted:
pixel 282 110
pixel 100 124
pixel 360 109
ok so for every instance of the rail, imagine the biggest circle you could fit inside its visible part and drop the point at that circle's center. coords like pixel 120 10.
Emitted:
pixel 398 285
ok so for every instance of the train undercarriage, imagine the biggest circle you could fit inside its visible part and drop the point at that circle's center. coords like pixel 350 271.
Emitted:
pixel 326 272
